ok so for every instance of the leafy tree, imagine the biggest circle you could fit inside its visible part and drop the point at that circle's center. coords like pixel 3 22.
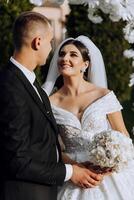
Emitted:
pixel 9 10
pixel 128 113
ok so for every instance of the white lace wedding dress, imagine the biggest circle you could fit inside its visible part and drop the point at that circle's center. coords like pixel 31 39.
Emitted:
pixel 118 186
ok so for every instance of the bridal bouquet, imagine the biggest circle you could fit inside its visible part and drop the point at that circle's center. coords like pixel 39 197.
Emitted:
pixel 109 151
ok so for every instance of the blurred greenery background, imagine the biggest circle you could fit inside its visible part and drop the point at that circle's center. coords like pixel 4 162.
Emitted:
pixel 108 36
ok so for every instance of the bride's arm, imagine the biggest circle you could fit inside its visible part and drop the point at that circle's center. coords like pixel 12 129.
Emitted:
pixel 117 122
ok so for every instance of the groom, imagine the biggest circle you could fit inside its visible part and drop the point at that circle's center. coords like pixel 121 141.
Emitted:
pixel 31 164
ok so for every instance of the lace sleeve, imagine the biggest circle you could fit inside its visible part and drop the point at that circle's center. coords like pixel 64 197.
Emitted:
pixel 112 104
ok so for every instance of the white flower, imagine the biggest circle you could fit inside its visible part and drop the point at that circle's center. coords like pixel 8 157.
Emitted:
pixel 129 53
pixel 131 80
pixel 94 18
pixel 129 31
pixel 110 149
pixel 37 2
pixel 93 4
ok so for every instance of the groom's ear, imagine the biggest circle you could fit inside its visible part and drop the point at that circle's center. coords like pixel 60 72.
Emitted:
pixel 36 43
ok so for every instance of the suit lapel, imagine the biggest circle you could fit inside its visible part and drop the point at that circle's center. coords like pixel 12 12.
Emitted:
pixel 44 106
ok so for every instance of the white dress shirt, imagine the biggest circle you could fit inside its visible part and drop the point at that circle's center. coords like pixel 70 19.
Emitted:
pixel 30 75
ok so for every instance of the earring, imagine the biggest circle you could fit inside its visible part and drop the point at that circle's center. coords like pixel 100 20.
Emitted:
pixel 83 70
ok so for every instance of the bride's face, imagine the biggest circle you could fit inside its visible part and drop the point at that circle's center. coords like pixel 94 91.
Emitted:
pixel 70 61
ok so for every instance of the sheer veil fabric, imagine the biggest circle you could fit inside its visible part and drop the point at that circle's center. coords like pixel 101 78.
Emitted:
pixel 96 74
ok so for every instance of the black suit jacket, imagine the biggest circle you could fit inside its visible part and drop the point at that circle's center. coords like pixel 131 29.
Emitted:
pixel 28 140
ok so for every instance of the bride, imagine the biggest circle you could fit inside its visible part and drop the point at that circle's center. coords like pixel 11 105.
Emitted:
pixel 81 109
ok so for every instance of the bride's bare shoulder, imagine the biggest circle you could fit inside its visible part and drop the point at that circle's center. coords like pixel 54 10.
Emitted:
pixel 103 91
pixel 98 90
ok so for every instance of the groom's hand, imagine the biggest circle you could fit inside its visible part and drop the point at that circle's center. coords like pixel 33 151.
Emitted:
pixel 85 178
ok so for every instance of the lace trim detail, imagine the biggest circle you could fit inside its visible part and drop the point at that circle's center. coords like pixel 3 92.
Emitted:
pixel 72 139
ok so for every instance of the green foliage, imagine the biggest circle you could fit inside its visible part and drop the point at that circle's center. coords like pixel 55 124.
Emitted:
pixel 8 12
pixel 128 113
pixel 108 36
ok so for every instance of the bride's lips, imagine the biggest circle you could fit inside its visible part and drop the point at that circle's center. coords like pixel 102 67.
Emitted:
pixel 65 66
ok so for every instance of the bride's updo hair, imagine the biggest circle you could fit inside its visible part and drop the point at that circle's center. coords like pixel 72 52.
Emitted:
pixel 80 46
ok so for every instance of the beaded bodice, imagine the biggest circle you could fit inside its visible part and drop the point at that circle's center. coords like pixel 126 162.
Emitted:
pixel 74 133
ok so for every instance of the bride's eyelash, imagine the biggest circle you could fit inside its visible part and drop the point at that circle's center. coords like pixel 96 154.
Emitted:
pixel 74 54
pixel 62 54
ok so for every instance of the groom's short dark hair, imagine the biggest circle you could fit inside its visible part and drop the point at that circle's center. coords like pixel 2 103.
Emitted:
pixel 25 25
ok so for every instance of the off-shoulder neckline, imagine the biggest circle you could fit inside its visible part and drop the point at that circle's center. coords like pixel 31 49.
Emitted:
pixel 89 106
